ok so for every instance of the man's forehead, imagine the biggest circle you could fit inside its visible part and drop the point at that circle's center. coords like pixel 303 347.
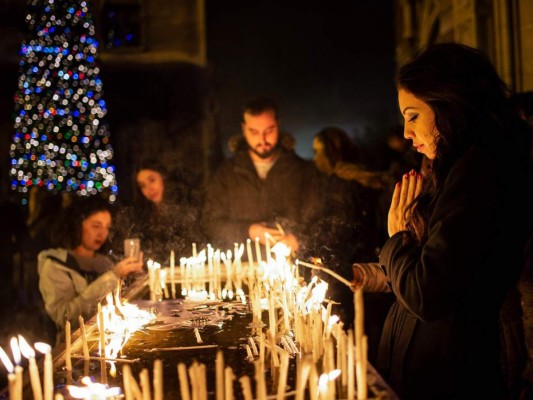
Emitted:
pixel 267 115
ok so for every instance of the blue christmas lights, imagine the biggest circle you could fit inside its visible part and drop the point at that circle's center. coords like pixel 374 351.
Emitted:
pixel 61 140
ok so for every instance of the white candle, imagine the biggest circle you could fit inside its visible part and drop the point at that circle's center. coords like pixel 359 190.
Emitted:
pixel 126 381
pixel 282 380
pixel 145 384
pixel 219 365
pixel 267 248
pixel 84 338
pixel 351 380
pixel 12 383
pixel 158 380
pixel 197 334
pixel 68 343
pixel 15 349
pixel 35 379
pixel 254 346
pixel 48 376
pixel 250 256
pixel 323 387
pixel 258 252
pixel 172 277
pixel 101 329
pixel 228 383
pixel 249 354
pixel 184 384
pixel 246 387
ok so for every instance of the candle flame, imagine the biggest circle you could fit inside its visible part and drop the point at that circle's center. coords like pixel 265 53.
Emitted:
pixel 15 349
pixel 7 362
pixel 42 347
pixel 25 348
pixel 92 390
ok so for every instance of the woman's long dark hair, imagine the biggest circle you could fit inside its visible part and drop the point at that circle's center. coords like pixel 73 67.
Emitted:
pixel 471 106
pixel 68 231
pixel 181 186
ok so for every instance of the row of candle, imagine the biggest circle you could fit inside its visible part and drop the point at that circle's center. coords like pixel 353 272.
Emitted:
pixel 19 346
pixel 294 310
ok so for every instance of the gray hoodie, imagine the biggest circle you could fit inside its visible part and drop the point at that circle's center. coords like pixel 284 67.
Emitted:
pixel 67 289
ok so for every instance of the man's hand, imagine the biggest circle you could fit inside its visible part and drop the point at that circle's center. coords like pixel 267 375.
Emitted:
pixel 261 231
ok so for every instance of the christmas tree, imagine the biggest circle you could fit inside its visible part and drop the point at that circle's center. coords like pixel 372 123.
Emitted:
pixel 61 139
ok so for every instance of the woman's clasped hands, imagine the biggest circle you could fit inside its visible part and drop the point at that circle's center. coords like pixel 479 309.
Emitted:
pixel 405 192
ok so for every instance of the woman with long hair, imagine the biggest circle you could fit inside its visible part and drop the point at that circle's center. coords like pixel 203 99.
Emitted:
pixel 457 236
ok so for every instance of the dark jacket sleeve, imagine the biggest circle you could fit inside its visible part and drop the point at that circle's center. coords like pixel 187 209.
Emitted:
pixel 430 280
pixel 215 218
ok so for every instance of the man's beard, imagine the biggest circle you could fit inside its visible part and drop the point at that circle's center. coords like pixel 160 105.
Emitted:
pixel 264 154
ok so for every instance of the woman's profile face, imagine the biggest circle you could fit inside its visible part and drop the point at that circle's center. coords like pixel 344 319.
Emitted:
pixel 95 230
pixel 419 124
pixel 151 184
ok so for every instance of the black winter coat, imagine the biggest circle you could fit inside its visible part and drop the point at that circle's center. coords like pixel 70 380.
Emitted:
pixel 236 197
pixel 441 338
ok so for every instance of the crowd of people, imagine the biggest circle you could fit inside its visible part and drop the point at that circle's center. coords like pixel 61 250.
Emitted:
pixel 440 241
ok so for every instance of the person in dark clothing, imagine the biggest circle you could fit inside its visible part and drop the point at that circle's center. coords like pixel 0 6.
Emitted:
pixel 165 211
pixel 457 236
pixel 264 188
pixel 350 230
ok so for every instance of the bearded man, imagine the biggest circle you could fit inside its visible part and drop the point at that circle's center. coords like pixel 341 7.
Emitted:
pixel 265 190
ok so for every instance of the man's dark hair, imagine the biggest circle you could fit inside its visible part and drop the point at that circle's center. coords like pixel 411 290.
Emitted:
pixel 258 105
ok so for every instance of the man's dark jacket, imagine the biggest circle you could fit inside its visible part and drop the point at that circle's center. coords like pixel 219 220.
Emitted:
pixel 236 197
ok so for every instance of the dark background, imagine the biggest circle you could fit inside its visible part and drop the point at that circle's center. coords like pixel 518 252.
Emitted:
pixel 327 63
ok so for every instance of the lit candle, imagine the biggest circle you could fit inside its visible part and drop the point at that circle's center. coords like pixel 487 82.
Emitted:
pixel 158 380
pixel 68 342
pixel 35 379
pixel 84 339
pixel 250 256
pixel 323 387
pixel 48 376
pixel 267 248
pixel 15 349
pixel 258 252
pixel 172 277
pixel 101 329
pixel 11 379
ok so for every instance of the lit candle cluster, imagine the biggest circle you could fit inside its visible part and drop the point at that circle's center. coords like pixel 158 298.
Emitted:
pixel 298 324
pixel 330 362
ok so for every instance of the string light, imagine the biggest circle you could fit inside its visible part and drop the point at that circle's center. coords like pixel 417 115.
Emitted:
pixel 61 139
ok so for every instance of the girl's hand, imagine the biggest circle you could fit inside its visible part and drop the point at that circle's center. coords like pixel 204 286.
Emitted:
pixel 404 194
pixel 129 265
